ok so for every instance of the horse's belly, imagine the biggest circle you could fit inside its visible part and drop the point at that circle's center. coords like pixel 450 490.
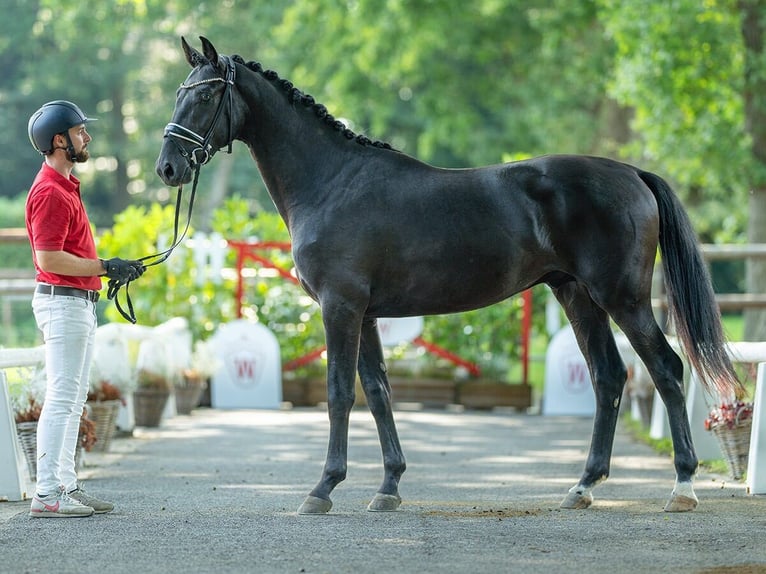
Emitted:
pixel 436 294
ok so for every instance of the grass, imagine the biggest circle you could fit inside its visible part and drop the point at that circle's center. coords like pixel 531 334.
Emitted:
pixel 664 446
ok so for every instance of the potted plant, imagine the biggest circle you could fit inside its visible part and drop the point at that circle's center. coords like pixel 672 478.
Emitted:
pixel 732 423
pixel 195 378
pixel 27 398
pixel 150 397
pixel 104 401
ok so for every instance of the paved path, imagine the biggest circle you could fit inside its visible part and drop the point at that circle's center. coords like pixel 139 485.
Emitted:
pixel 218 492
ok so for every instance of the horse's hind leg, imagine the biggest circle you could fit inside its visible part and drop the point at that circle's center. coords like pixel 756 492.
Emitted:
pixel 666 370
pixel 608 375
pixel 372 372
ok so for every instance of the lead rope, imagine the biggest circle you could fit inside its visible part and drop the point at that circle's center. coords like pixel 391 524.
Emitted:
pixel 115 285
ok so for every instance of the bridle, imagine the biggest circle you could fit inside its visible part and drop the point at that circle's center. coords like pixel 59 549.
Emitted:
pixel 197 157
pixel 178 133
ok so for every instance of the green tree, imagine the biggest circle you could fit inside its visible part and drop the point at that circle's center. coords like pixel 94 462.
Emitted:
pixel 457 83
pixel 694 73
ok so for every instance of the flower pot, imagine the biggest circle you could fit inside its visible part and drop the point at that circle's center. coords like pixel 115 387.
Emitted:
pixel 188 397
pixel 104 414
pixel 148 405
pixel 735 446
pixel 27 433
pixel 732 423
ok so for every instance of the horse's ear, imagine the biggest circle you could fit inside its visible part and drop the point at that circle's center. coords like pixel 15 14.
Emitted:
pixel 192 56
pixel 211 54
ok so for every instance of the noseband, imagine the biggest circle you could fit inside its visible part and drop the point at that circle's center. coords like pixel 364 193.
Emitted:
pixel 197 157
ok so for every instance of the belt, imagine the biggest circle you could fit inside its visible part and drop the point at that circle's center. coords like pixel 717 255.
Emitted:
pixel 68 292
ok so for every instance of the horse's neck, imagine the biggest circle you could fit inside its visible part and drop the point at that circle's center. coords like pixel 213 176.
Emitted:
pixel 296 155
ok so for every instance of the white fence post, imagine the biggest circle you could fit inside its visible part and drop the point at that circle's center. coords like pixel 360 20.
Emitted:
pixel 14 482
pixel 756 462
pixel 13 467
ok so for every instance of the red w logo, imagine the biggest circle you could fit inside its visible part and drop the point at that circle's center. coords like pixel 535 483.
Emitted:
pixel 245 368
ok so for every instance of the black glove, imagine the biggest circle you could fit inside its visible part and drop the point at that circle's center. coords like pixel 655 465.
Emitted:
pixel 123 270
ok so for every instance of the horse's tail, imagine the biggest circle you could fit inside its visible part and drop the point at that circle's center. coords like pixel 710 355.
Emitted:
pixel 691 301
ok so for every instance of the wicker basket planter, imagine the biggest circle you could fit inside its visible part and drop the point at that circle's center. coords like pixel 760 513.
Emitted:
pixel 732 425
pixel 148 404
pixel 735 446
pixel 104 414
pixel 188 397
pixel 27 433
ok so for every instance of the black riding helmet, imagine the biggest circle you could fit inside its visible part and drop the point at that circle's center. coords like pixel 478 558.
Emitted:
pixel 51 119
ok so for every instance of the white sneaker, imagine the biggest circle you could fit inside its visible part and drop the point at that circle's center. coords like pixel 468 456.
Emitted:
pixel 58 505
pixel 99 506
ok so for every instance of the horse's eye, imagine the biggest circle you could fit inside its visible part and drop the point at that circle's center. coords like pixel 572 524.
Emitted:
pixel 205 96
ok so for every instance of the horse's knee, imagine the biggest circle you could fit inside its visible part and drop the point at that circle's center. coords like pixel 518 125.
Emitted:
pixel 339 404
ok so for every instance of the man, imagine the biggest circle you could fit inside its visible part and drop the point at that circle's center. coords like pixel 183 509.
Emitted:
pixel 67 272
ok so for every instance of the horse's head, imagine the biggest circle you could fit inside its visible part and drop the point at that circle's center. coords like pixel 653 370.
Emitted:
pixel 204 118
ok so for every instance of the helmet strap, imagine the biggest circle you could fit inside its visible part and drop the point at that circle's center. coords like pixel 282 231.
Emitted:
pixel 70 148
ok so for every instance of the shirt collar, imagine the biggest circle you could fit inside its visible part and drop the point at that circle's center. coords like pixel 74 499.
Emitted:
pixel 71 184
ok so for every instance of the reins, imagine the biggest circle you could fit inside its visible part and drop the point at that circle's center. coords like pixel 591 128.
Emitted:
pixel 197 157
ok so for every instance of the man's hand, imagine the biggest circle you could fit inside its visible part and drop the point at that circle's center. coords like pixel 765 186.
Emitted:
pixel 123 270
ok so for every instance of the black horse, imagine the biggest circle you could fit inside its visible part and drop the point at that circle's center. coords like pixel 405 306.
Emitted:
pixel 376 233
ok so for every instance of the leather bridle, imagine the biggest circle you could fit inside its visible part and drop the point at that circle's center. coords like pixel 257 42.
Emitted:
pixel 177 133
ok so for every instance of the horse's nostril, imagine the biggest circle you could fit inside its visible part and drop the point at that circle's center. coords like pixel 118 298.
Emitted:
pixel 166 172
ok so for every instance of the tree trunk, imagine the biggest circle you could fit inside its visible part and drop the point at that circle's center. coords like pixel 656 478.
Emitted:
pixel 753 24
pixel 119 199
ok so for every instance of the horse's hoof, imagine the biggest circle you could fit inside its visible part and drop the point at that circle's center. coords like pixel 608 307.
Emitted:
pixel 577 499
pixel 680 503
pixel 384 503
pixel 315 505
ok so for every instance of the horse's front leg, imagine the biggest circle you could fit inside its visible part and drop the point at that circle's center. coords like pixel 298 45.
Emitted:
pixel 342 335
pixel 372 372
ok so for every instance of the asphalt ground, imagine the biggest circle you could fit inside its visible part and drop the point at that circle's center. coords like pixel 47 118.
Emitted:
pixel 217 491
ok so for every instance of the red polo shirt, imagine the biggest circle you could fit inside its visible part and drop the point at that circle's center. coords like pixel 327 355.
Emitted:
pixel 57 221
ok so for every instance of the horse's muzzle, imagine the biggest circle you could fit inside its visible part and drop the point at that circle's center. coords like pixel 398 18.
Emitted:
pixel 172 167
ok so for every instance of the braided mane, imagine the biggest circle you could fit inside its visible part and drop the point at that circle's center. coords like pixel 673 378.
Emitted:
pixel 294 95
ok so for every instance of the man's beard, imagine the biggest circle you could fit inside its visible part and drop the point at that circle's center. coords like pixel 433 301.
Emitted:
pixel 82 156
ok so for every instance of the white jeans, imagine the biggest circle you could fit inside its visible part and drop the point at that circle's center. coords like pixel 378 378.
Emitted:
pixel 68 325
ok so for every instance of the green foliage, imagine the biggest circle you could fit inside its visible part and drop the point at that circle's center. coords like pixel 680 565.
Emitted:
pixel 510 77
pixel 682 71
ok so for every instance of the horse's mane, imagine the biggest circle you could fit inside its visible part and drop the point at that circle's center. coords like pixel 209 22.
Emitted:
pixel 296 96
